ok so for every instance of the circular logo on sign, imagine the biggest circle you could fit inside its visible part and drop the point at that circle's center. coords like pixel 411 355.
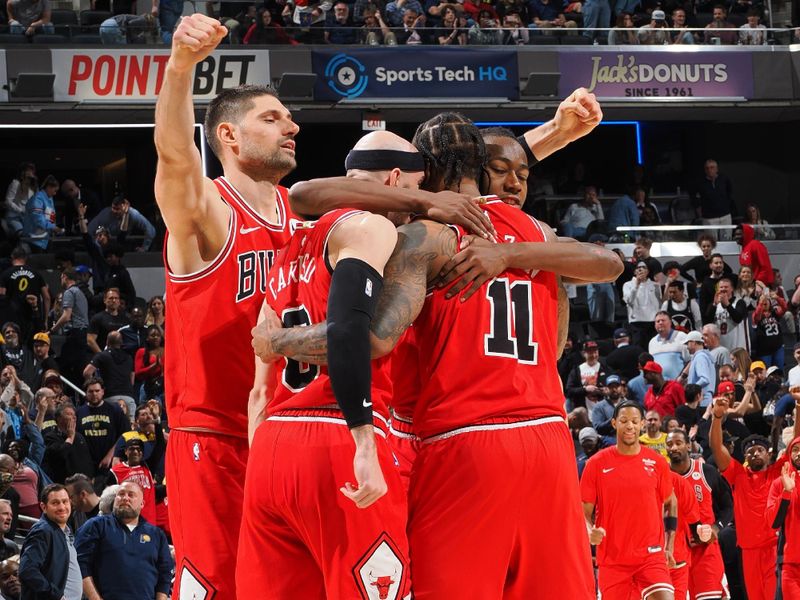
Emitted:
pixel 346 76
pixel 695 475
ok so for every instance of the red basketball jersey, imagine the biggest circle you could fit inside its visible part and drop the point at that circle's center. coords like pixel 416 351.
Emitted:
pixel 298 287
pixel 404 369
pixel 688 513
pixel 702 491
pixel 493 356
pixel 209 364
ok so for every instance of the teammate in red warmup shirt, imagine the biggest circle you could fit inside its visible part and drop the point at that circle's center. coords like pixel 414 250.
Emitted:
pixel 750 485
pixel 222 237
pixel 707 579
pixel 319 522
pixel 783 512
pixel 133 469
pixel 689 528
pixel 754 254
pixel 632 554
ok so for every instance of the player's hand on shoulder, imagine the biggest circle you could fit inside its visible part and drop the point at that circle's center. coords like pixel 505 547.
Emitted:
pixel 195 38
pixel 596 535
pixel 477 262
pixel 461 209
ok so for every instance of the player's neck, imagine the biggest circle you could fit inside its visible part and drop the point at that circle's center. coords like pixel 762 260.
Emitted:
pixel 682 467
pixel 260 193
pixel 466 186
pixel 627 450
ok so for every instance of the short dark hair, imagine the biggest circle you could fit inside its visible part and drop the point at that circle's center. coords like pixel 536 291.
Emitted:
pixel 19 252
pixel 92 381
pixel 644 242
pixel 80 483
pixel 628 404
pixel 716 255
pixel 50 489
pixel 665 313
pixel 691 391
pixel 681 431
pixel 644 358
pixel 62 407
pixel 228 107
pixel 725 278
pixel 118 199
pixel 139 409
pixel 676 284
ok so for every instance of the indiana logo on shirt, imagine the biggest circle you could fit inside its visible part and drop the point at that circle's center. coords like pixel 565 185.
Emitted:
pixel 144 538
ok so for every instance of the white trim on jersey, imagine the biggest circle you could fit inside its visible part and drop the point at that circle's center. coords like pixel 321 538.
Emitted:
pixel 215 264
pixel 245 206
pixel 657 587
pixel 493 427
pixel 331 420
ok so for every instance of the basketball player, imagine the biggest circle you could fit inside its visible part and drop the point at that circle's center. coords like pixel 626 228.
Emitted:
pixel 632 556
pixel 310 530
pixel 499 437
pixel 707 579
pixel 222 237
pixel 750 485
pixel 689 528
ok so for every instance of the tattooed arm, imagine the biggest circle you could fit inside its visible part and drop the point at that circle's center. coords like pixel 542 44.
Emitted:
pixel 422 248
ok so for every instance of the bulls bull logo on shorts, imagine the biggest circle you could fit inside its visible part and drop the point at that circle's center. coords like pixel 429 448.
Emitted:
pixel 380 572
pixel 193 586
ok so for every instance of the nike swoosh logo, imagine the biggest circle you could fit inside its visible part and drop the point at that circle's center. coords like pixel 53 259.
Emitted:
pixel 245 230
pixel 366 404
pixel 608 470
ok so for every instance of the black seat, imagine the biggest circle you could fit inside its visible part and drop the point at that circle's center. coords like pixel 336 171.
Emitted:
pixel 87 38
pixel 64 21
pixel 13 38
pixel 91 19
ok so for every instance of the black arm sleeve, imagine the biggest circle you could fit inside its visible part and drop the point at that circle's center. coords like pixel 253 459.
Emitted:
pixel 532 160
pixel 721 497
pixel 355 287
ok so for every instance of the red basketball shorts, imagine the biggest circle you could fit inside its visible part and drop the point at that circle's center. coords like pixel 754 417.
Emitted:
pixel 205 486
pixel 404 445
pixel 680 581
pixel 790 581
pixel 495 512
pixel 758 566
pixel 634 582
pixel 707 573
pixel 301 538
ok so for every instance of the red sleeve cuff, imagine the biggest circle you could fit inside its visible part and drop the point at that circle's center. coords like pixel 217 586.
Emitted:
pixel 786 495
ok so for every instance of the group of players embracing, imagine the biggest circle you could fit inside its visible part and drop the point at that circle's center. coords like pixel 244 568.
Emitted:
pixel 403 418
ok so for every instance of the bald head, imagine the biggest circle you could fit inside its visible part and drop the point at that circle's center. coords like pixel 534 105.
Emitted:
pixel 384 140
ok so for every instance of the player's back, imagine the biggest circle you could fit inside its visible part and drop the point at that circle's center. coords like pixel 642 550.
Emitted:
pixel 297 290
pixel 209 365
pixel 493 356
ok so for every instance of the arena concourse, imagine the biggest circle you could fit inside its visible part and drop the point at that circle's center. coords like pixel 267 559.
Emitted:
pixel 689 179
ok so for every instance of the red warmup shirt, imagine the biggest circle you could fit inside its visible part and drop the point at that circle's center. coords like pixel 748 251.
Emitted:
pixel 208 361
pixel 493 356
pixel 629 494
pixel 791 523
pixel 750 491
pixel 665 403
pixel 688 513
pixel 404 366
pixel 755 255
pixel 139 474
pixel 297 290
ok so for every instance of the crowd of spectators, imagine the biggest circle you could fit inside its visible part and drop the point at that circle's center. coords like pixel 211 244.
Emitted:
pixel 433 22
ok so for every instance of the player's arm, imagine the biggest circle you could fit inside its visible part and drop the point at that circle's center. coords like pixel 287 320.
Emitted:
pixel 260 392
pixel 422 248
pixel 189 203
pixel 721 455
pixel 780 497
pixel 573 261
pixel 318 196
pixel 575 117
pixel 358 249
pixel 596 534
pixel 670 526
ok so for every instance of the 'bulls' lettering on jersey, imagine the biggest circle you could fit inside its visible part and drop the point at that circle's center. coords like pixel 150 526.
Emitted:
pixel 253 269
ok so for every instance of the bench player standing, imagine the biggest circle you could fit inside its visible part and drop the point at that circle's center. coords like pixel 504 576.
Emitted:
pixel 632 554
pixel 707 579
pixel 221 240
pixel 307 531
